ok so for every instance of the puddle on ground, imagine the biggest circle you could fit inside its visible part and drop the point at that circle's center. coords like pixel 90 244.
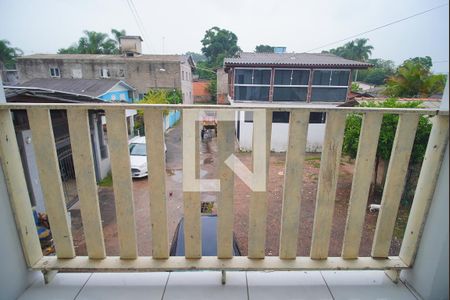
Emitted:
pixel 177 175
pixel 208 160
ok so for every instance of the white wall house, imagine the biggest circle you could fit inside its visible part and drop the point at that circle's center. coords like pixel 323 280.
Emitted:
pixel 282 79
pixel 280 133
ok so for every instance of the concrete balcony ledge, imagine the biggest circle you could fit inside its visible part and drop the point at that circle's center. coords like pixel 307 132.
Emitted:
pixel 207 285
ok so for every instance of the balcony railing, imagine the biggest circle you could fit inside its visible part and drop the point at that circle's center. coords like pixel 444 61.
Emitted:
pixel 65 259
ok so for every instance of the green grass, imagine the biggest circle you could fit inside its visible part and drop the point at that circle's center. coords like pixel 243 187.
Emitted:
pixel 107 181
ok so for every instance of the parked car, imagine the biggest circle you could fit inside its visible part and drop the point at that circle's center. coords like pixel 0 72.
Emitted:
pixel 138 156
pixel 209 238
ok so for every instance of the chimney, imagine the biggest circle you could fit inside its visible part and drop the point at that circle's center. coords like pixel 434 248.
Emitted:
pixel 130 45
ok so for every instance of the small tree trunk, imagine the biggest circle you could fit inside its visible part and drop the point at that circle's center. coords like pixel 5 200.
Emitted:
pixel 374 181
pixel 385 169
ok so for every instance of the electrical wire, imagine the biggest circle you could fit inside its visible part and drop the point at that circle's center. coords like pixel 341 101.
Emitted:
pixel 379 27
pixel 139 23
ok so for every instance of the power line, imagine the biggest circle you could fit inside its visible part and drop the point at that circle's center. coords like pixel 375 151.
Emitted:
pixel 139 18
pixel 379 27
pixel 138 21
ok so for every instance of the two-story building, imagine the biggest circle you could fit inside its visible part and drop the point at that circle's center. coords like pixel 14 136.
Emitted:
pixel 142 71
pixel 287 78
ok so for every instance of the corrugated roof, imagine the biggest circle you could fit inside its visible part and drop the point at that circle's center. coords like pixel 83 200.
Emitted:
pixel 293 59
pixel 14 94
pixel 89 87
pixel 110 57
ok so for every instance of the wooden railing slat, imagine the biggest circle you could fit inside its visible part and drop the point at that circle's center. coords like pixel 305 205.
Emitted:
pixel 80 140
pixel 154 131
pixel 122 184
pixel 50 179
pixel 426 185
pixel 226 141
pixel 262 132
pixel 395 182
pixel 293 183
pixel 326 191
pixel 18 194
pixel 191 199
pixel 362 178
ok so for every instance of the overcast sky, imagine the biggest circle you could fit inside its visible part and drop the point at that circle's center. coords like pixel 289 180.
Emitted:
pixel 44 26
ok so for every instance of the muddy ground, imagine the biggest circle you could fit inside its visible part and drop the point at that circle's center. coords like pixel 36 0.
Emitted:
pixel 241 202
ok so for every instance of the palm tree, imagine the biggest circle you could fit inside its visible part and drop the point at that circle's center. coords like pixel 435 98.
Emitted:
pixel 93 43
pixel 414 79
pixel 117 34
pixel 361 51
pixel 356 50
pixel 8 54
pixel 96 43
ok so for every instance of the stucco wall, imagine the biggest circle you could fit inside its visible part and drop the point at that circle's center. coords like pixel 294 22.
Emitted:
pixel 142 75
pixel 186 83
pixel 280 135
pixel 222 86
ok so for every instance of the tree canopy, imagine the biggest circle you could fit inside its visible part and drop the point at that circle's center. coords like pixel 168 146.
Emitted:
pixel 378 74
pixel 264 49
pixel 387 132
pixel 357 50
pixel 414 79
pixel 95 43
pixel 217 44
pixel 8 54
pixel 197 57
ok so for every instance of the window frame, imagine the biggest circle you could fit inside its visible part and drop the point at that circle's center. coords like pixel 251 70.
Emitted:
pixel 54 69
pixel 292 70
pixel 252 84
pixel 331 74
pixel 108 73
pixel 291 85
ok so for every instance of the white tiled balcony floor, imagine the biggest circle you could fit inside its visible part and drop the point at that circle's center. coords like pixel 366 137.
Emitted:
pixel 207 285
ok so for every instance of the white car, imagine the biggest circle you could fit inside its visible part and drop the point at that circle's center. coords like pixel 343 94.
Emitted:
pixel 138 156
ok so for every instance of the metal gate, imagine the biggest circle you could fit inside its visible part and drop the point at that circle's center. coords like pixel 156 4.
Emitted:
pixel 65 161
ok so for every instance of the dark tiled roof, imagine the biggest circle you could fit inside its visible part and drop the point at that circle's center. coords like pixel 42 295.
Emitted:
pixel 324 60
pixel 88 87
pixel 44 96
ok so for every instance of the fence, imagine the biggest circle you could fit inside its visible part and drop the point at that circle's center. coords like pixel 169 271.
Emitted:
pixel 65 259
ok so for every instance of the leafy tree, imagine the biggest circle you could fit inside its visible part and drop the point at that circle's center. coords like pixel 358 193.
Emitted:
pixel 356 87
pixel 387 133
pixel 117 34
pixel 212 89
pixel 93 43
pixel 264 49
pixel 160 96
pixel 415 79
pixel 8 54
pixel 217 44
pixel 156 96
pixel 197 57
pixel 204 71
pixel 378 74
pixel 357 50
